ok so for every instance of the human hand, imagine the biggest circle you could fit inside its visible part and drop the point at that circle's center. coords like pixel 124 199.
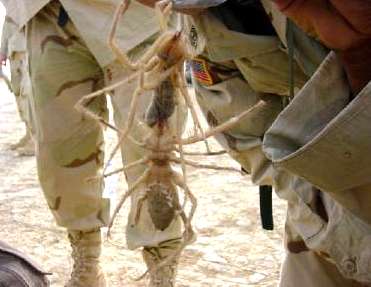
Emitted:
pixel 341 25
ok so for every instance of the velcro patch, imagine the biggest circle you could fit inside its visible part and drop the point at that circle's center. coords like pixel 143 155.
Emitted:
pixel 201 72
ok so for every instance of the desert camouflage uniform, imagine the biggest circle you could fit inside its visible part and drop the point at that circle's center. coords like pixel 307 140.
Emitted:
pixel 70 58
pixel 13 46
pixel 315 151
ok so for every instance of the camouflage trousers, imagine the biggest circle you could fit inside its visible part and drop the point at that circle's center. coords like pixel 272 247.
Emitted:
pixel 21 87
pixel 70 146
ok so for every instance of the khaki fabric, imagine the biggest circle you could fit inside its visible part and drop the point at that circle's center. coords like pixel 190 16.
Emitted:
pixel 230 97
pixel 260 59
pixel 248 68
pixel 332 222
pixel 13 46
pixel 308 53
pixel 21 11
pixel 328 142
pixel 70 145
pixel 21 87
pixel 13 39
pixel 312 147
pixel 9 29
pixel 93 19
pixel 309 269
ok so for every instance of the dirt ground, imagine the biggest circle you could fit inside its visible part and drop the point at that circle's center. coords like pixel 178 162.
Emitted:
pixel 231 249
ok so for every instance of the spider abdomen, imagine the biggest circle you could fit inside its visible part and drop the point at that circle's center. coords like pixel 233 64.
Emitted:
pixel 162 204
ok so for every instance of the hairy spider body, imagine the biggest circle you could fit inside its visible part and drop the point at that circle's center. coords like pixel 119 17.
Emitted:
pixel 161 192
pixel 162 196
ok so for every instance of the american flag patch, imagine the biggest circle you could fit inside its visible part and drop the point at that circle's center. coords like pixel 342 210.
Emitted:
pixel 200 71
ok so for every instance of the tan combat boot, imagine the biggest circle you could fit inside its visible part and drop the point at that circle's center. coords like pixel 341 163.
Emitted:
pixel 164 276
pixel 86 249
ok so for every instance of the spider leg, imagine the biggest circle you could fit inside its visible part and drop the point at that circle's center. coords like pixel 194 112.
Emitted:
pixel 222 127
pixel 152 63
pixel 156 47
pixel 188 235
pixel 159 78
pixel 207 166
pixel 108 125
pixel 179 181
pixel 180 146
pixel 190 104
pixel 179 136
pixel 138 143
pixel 221 152
pixel 126 195
pixel 132 111
pixel 139 209
pixel 126 167
pixel 144 160
pixel 129 123
pixel 121 56
pixel 80 105
pixel 163 10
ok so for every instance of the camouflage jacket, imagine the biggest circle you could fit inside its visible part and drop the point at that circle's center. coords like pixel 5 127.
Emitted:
pixel 93 19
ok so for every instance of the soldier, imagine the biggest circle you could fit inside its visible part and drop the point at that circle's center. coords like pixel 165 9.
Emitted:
pixel 69 57
pixel 13 47
pixel 314 149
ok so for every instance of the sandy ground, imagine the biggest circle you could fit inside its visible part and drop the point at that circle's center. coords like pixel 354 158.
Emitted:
pixel 231 250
